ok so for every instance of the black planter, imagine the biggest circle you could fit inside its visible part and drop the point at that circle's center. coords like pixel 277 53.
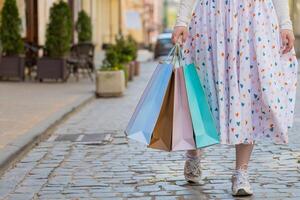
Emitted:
pixel 52 68
pixel 12 67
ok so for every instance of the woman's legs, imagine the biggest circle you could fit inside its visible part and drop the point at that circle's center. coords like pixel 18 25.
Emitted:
pixel 243 154
pixel 194 153
pixel 240 180
pixel 192 171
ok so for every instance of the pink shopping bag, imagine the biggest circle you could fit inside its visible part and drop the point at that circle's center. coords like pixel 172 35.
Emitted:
pixel 182 136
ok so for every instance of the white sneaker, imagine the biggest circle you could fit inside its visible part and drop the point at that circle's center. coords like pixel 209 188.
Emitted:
pixel 240 183
pixel 192 170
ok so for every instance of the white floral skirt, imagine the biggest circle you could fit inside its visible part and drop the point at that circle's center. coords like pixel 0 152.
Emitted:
pixel 250 84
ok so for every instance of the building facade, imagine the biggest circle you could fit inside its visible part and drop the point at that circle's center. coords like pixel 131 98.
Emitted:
pixel 140 18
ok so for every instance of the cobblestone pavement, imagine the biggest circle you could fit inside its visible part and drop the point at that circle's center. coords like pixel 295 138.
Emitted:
pixel 88 157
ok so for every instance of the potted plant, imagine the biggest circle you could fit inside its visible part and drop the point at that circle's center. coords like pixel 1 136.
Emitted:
pixel 110 79
pixel 134 53
pixel 12 61
pixel 53 65
pixel 84 27
pixel 125 56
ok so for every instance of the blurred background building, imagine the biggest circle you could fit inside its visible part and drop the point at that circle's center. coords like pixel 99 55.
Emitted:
pixel 140 18
pixel 143 19
pixel 295 15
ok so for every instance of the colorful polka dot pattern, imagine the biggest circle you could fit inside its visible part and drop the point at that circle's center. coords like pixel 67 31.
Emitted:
pixel 250 84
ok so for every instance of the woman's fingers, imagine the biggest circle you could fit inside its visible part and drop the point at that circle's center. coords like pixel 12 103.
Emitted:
pixel 184 36
pixel 175 36
pixel 288 40
pixel 291 39
pixel 284 41
pixel 179 35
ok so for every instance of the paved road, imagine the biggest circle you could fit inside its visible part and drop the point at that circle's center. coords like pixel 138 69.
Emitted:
pixel 88 157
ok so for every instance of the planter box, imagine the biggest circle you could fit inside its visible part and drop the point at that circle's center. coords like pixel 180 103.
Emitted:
pixel 137 68
pixel 52 68
pixel 127 72
pixel 110 83
pixel 12 67
pixel 131 71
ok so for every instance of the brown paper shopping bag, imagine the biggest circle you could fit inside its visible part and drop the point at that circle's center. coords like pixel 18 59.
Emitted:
pixel 162 133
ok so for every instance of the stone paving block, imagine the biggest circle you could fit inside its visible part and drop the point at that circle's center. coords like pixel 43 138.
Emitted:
pixel 124 189
pixel 51 196
pixel 130 182
pixel 140 198
pixel 18 196
pixel 166 197
pixel 133 195
pixel 162 193
pixel 33 182
pixel 149 188
pixel 172 187
pixel 103 195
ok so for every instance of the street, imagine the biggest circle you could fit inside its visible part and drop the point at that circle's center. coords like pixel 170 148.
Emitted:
pixel 89 157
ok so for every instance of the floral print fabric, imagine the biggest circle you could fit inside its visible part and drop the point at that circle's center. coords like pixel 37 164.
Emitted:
pixel 249 83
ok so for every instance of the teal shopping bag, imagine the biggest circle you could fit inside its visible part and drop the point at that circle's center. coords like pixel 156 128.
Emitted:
pixel 204 126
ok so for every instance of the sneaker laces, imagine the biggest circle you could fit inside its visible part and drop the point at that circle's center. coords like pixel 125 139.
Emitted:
pixel 242 178
pixel 193 166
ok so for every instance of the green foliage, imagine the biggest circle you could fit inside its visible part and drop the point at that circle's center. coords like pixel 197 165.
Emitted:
pixel 123 48
pixel 10 28
pixel 59 30
pixel 128 48
pixel 112 59
pixel 133 46
pixel 118 54
pixel 84 27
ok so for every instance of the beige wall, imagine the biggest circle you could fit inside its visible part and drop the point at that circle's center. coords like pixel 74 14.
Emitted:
pixel 137 6
pixel 22 14
pixel 105 19
pixel 1 4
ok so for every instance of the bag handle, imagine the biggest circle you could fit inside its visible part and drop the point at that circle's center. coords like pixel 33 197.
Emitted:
pixel 184 60
pixel 174 53
pixel 170 54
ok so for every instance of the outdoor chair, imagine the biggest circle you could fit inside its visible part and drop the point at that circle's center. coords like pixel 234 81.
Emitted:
pixel 31 56
pixel 82 59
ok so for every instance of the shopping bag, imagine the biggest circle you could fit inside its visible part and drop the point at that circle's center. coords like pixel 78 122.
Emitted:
pixel 144 118
pixel 204 126
pixel 174 129
pixel 162 133
pixel 182 136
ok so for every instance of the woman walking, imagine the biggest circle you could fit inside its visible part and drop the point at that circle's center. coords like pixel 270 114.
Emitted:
pixel 244 50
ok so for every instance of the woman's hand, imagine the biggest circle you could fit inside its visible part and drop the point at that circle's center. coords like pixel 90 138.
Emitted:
pixel 288 40
pixel 180 34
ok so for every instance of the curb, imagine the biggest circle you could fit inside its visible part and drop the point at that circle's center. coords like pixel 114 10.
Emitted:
pixel 17 149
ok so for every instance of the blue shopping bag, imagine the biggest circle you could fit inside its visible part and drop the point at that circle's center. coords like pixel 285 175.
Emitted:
pixel 204 126
pixel 144 118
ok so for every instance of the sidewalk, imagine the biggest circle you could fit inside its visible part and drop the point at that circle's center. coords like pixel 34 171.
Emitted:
pixel 29 108
pixel 89 158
